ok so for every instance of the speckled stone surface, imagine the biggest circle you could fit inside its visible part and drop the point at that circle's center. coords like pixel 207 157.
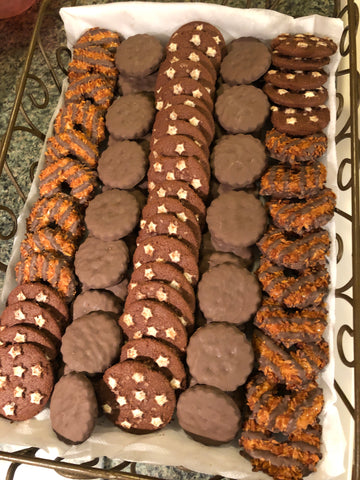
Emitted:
pixel 25 148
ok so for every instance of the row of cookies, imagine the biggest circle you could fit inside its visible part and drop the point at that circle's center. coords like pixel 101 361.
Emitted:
pixel 159 310
pixel 220 356
pixel 284 397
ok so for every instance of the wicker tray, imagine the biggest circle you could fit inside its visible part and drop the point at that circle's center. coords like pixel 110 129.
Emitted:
pixel 347 381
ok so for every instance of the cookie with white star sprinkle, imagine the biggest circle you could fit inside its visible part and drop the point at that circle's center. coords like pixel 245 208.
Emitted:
pixel 165 356
pixel 304 45
pixel 302 99
pixel 183 87
pixel 26 381
pixel 162 248
pixel 300 121
pixel 296 80
pixel 168 273
pixel 199 25
pixel 144 394
pixel 151 318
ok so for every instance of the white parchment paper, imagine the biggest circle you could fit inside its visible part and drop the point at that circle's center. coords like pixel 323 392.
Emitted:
pixel 171 446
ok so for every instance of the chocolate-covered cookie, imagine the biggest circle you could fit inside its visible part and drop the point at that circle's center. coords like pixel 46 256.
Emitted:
pixel 130 117
pixel 238 160
pixel 165 272
pixel 139 55
pixel 298 121
pixel 91 343
pixel 168 249
pixel 112 215
pixel 42 294
pixel 165 356
pixel 219 355
pixel 242 109
pixel 122 164
pixel 303 45
pixel 26 380
pixel 94 300
pixel 228 293
pixel 128 85
pixel 281 181
pixel 151 318
pixel 246 64
pixel 145 396
pixel 208 415
pixel 296 80
pixel 295 150
pixel 236 218
pixel 100 264
pixel 72 420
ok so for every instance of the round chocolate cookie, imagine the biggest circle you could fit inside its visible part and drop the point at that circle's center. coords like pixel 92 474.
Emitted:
pixel 242 109
pixel 244 253
pixel 184 69
pixel 238 160
pixel 165 126
pixel 42 294
pixel 130 117
pixel 30 313
pixel 100 264
pixel 183 87
pixel 146 398
pixel 169 224
pixel 122 165
pixel 182 191
pixel 181 146
pixel 219 355
pixel 187 169
pixel 246 64
pixel 162 292
pixel 112 215
pixel 120 289
pixel 139 55
pixel 236 218
pixel 95 300
pixel 187 100
pixel 168 249
pixel 228 293
pixel 208 415
pixel 198 25
pixel 289 98
pixel 150 318
pixel 165 205
pixel 197 117
pixel 27 333
pixel 201 39
pixel 193 55
pixel 298 121
pixel 165 272
pixel 303 45
pixel 295 150
pixel 93 87
pixel 72 420
pixel 298 63
pixel 281 181
pixel 165 356
pixel 296 80
pixel 304 215
pixel 91 343
pixel 26 381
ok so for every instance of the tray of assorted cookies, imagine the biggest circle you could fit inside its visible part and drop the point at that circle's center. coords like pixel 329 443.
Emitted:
pixel 171 292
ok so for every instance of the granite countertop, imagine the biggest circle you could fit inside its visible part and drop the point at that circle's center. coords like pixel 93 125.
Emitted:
pixel 15 36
